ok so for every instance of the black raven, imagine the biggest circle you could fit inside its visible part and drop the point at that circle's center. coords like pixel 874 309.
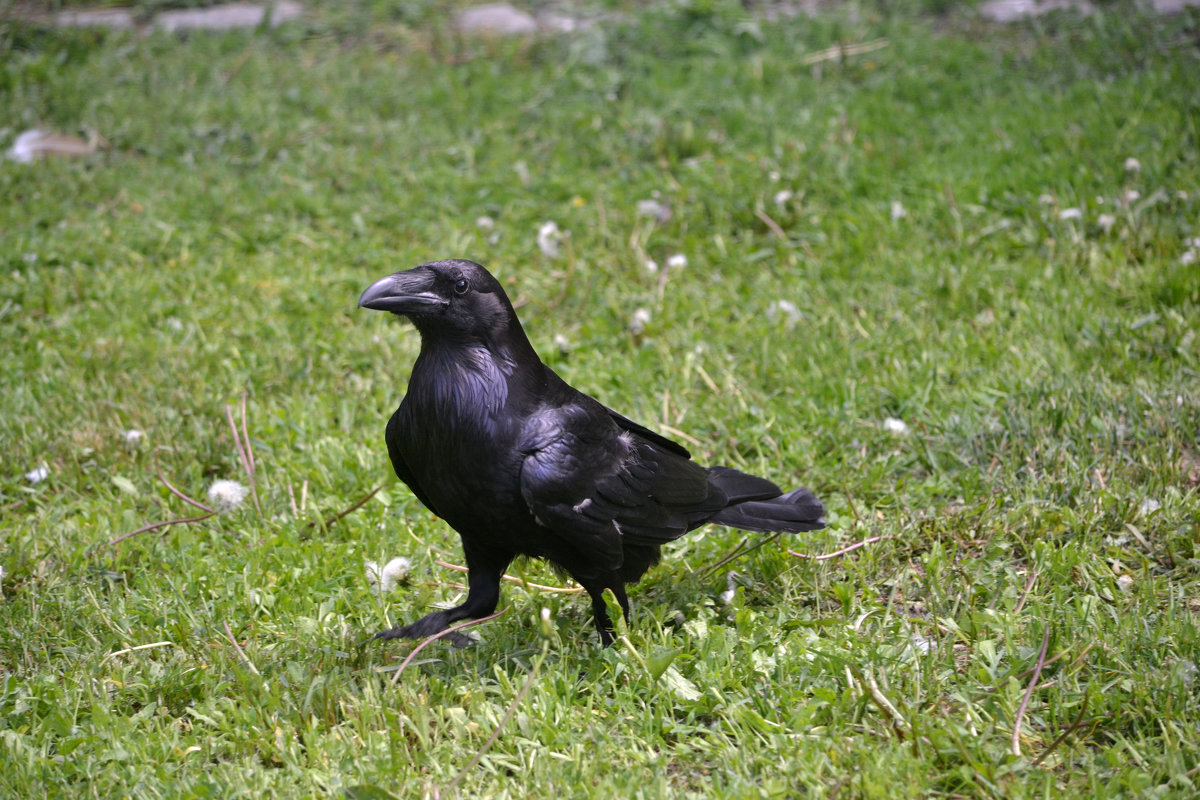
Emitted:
pixel 491 440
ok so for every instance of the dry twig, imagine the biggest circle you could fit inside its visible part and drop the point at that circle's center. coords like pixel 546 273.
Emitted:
pixel 840 51
pixel 1037 673
pixel 512 709
pixel 240 651
pixel 841 552
pixel 514 579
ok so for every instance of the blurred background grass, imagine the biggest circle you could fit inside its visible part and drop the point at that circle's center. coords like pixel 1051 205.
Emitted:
pixel 963 244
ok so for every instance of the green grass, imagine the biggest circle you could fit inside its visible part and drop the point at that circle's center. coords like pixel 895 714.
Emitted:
pixel 1046 368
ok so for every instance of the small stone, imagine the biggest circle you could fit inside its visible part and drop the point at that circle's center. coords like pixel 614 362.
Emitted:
pixel 497 19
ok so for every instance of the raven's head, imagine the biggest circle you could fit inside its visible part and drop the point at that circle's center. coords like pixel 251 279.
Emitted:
pixel 455 298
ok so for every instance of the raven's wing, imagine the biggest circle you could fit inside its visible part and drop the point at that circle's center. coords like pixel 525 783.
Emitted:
pixel 403 472
pixel 598 486
pixel 641 430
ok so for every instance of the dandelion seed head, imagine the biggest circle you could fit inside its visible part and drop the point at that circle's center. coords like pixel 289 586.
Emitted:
pixel 227 495
pixel 898 210
pixel 639 321
pixel 1130 196
pixel 562 343
pixel 783 196
pixel 485 223
pixel 1106 222
pixel 133 437
pixel 1070 213
pixel 522 170
pixel 1132 164
pixel 651 265
pixel 896 426
pixel 38 474
pixel 677 261
pixel 786 309
pixel 1189 257
pixel 549 239
pixel 655 209
pixel 384 580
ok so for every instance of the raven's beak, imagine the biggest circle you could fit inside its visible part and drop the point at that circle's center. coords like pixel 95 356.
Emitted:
pixel 408 292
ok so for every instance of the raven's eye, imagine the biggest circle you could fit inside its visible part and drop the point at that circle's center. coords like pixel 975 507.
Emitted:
pixel 461 286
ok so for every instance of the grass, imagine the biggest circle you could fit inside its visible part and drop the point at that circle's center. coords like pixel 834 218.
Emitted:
pixel 1040 570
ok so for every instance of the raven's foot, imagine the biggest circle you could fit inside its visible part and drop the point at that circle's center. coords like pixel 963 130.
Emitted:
pixel 417 631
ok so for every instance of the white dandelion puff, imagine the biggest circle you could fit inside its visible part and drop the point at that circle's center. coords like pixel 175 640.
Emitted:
pixel 651 265
pixel 1106 222
pixel 783 196
pixel 784 308
pixel 898 210
pixel 133 437
pixel 38 474
pixel 485 223
pixel 896 426
pixel 655 209
pixel 549 239
pixel 227 495
pixel 1130 196
pixel 562 343
pixel 731 584
pixel 639 321
pixel 1132 164
pixel 920 643
pixel 677 261
pixel 1070 213
pixel 385 579
pixel 1125 583
pixel 1046 199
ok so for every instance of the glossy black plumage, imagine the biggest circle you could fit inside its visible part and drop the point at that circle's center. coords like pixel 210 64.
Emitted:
pixel 519 463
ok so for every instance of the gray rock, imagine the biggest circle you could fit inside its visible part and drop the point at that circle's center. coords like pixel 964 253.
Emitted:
pixel 499 19
pixel 1013 10
pixel 227 17
pixel 115 18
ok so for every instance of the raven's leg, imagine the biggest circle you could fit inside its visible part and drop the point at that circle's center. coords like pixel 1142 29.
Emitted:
pixel 595 588
pixel 483 594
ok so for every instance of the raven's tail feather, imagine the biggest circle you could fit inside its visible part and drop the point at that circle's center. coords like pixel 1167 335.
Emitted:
pixel 793 512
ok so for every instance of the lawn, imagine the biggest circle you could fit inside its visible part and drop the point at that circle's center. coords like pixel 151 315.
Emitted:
pixel 950 282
